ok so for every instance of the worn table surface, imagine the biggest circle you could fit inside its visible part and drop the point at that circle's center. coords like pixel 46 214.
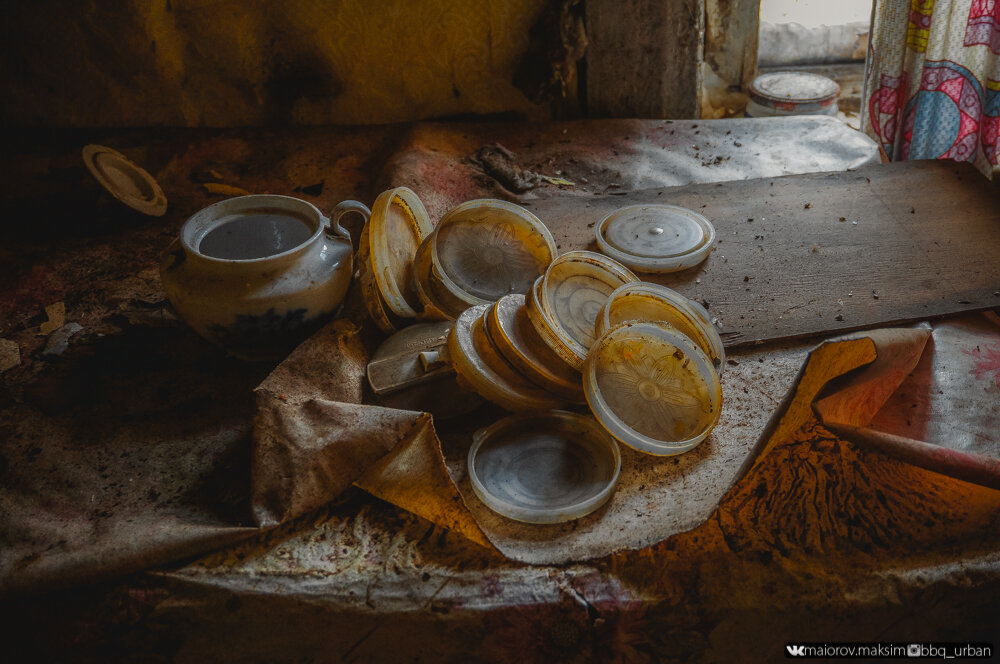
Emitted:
pixel 360 580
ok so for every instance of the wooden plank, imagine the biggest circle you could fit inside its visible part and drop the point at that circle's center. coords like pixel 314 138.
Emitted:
pixel 814 254
pixel 644 58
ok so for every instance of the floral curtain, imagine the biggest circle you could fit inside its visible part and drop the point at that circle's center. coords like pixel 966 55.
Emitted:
pixel 932 82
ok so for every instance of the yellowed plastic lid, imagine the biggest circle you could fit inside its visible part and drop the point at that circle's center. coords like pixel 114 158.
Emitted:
pixel 656 238
pixel 544 467
pixel 513 334
pixel 127 182
pixel 376 306
pixel 574 288
pixel 485 249
pixel 644 301
pixel 482 368
pixel 399 223
pixel 652 388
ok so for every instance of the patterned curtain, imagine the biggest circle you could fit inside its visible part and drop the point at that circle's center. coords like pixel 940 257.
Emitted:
pixel 932 82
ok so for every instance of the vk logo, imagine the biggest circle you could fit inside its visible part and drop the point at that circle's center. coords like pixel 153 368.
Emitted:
pixel 796 651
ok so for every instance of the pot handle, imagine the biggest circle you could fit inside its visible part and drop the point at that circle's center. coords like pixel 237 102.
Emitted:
pixel 345 207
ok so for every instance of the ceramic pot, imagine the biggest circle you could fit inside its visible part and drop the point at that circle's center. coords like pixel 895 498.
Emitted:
pixel 257 274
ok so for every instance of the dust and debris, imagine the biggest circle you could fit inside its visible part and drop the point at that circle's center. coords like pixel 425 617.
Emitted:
pixel 500 164
pixel 10 354
pixel 839 317
pixel 222 189
pixel 808 206
pixel 312 189
pixel 814 248
pixel 874 294
pixel 58 341
pixel 57 318
pixel 843 219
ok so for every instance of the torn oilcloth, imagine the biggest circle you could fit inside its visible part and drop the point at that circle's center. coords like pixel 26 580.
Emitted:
pixel 315 437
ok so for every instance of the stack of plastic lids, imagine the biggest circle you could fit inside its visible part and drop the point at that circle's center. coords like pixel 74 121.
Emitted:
pixel 480 251
pixel 650 361
pixel 389 241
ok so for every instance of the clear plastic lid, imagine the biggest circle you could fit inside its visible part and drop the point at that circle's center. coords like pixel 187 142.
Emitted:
pixel 574 288
pixel 483 369
pixel 398 225
pixel 485 249
pixel 544 467
pixel 128 183
pixel 656 238
pixel 652 388
pixel 644 301
pixel 513 334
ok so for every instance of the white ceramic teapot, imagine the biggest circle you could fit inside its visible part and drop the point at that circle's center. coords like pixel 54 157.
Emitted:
pixel 258 274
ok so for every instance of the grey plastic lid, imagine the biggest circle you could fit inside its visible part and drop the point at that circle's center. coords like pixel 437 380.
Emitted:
pixel 656 238
pixel 127 182
pixel 544 466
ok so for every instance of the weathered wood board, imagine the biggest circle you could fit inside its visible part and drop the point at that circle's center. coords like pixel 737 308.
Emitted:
pixel 828 252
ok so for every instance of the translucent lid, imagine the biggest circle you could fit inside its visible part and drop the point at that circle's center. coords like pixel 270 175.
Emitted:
pixel 572 292
pixel 513 334
pixel 652 387
pixel 485 249
pixel 544 467
pixel 371 294
pixel 127 182
pixel 650 302
pixel 791 90
pixel 398 225
pixel 431 308
pixel 656 238
pixel 480 365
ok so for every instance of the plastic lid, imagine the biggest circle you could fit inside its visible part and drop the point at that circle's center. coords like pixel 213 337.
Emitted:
pixel 485 249
pixel 479 364
pixel 572 292
pixel 127 182
pixel 656 238
pixel 793 91
pixel 652 388
pixel 644 301
pixel 513 334
pixel 398 225
pixel 544 467
pixel 370 292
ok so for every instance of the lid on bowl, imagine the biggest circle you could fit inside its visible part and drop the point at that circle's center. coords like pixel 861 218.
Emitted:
pixel 485 249
pixel 652 388
pixel 656 238
pixel 793 91
pixel 544 467
pixel 513 334
pixel 572 292
pixel 128 183
pixel 399 223
pixel 480 366
pixel 644 301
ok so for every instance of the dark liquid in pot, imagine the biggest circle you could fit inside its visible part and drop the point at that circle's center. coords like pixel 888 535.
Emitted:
pixel 255 235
